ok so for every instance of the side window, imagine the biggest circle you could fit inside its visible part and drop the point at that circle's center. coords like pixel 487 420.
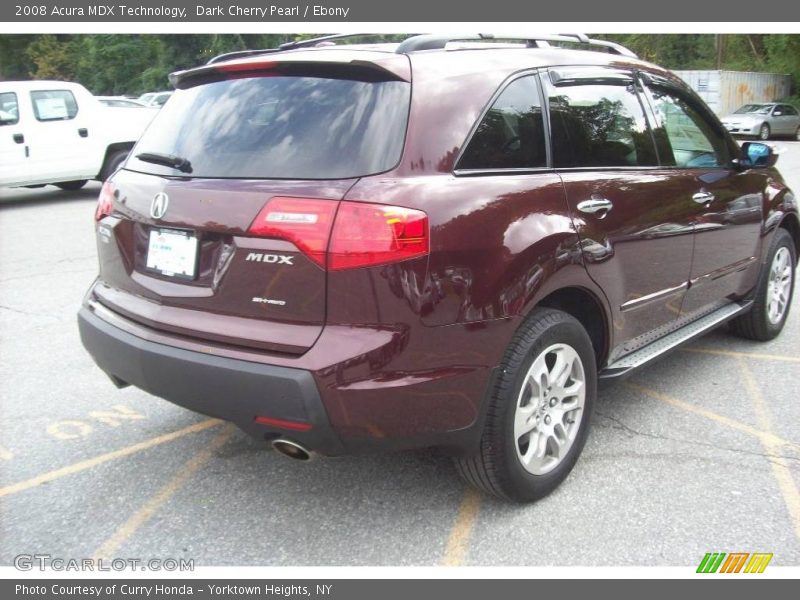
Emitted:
pixel 599 126
pixel 54 105
pixel 511 135
pixel 9 108
pixel 790 110
pixel 686 137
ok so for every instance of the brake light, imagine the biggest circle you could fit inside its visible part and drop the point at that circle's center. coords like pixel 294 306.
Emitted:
pixel 375 234
pixel 360 234
pixel 105 201
pixel 306 222
pixel 261 65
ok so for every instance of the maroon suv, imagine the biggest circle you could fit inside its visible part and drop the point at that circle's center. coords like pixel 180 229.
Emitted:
pixel 444 242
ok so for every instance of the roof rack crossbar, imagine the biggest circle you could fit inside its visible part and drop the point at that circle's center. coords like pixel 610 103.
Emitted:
pixel 437 42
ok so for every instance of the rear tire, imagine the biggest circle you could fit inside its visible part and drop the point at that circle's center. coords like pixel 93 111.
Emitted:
pixel 797 134
pixel 764 132
pixel 113 162
pixel 539 410
pixel 773 296
pixel 71 186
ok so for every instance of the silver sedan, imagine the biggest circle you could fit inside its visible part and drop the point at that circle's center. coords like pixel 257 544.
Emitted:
pixel 764 120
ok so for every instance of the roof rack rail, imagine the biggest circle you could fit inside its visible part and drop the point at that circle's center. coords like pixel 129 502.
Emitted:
pixel 286 46
pixel 437 42
pixel 434 42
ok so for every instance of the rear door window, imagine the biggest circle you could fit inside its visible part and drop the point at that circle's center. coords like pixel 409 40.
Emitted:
pixel 511 134
pixel 599 125
pixel 283 127
pixel 54 105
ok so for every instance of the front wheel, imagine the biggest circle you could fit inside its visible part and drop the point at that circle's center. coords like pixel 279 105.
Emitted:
pixel 773 296
pixel 539 410
pixel 764 132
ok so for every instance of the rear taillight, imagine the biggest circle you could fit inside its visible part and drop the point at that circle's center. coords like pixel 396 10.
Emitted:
pixel 105 201
pixel 375 234
pixel 360 234
pixel 306 222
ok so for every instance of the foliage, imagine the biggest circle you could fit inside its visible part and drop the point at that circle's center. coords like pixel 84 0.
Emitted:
pixel 772 53
pixel 131 64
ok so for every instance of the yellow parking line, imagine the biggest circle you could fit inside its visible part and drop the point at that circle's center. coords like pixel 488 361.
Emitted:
pixel 6 454
pixel 722 420
pixel 780 467
pixel 145 513
pixel 103 458
pixel 734 354
pixel 458 542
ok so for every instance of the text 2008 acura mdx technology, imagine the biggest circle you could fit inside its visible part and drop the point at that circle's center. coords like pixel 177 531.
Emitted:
pixel 446 242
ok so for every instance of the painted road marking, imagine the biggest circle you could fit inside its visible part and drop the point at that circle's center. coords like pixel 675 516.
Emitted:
pixel 727 421
pixel 734 354
pixel 115 417
pixel 69 429
pixel 458 542
pixel 780 466
pixel 73 429
pixel 6 454
pixel 109 548
pixel 104 458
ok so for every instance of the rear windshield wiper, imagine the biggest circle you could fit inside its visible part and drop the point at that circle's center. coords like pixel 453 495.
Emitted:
pixel 169 160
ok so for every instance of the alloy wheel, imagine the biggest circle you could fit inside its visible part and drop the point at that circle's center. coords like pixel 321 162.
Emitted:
pixel 779 285
pixel 549 409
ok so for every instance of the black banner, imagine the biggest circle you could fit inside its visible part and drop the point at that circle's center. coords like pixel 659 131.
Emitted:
pixel 392 589
pixel 270 11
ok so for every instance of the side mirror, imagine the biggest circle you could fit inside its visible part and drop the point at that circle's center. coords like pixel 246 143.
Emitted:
pixel 777 113
pixel 757 156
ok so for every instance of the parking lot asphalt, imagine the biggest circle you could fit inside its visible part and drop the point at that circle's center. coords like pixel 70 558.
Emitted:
pixel 697 453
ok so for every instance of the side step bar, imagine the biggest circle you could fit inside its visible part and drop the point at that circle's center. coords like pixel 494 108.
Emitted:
pixel 626 365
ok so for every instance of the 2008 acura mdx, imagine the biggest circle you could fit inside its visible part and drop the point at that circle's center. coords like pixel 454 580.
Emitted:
pixel 444 242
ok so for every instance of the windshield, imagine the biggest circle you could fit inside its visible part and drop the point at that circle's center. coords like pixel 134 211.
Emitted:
pixel 280 127
pixel 761 109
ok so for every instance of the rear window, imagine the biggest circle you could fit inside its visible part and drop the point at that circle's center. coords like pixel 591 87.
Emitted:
pixel 281 128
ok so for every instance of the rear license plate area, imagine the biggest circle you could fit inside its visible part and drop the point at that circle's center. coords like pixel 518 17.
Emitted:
pixel 172 253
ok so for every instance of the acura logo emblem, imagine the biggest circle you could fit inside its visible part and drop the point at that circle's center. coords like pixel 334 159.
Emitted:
pixel 158 207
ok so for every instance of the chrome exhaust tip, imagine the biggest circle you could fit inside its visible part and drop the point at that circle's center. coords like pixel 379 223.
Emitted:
pixel 292 449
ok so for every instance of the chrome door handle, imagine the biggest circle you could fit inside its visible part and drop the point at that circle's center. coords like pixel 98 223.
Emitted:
pixel 703 197
pixel 595 205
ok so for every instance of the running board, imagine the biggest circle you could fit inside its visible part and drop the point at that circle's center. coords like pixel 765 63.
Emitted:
pixel 624 366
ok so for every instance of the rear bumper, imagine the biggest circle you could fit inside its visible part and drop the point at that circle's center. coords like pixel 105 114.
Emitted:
pixel 225 388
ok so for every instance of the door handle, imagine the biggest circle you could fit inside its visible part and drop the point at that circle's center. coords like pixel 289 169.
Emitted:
pixel 595 205
pixel 18 138
pixel 703 197
pixel 83 132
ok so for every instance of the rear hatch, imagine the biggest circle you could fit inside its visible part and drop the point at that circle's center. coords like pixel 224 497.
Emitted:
pixel 217 228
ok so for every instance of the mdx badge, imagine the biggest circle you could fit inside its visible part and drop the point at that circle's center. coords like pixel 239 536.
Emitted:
pixel 281 259
pixel 158 207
